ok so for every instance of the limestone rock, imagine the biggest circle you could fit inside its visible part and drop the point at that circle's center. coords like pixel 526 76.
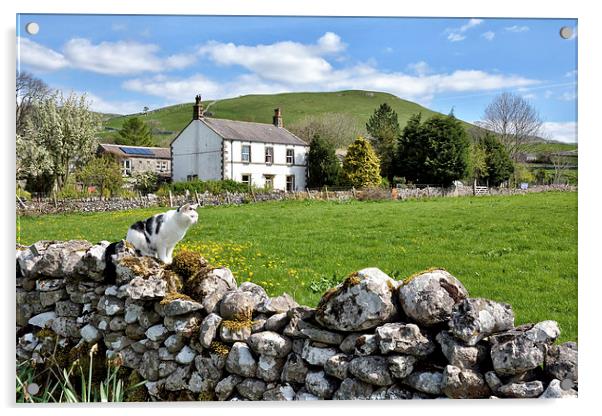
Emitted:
pixel 270 343
pixel 186 355
pixel 338 366
pixel 460 383
pixel 316 355
pixel 178 380
pixel 90 334
pixel 233 334
pixel 61 259
pixel 269 367
pixel 365 300
pixel 42 320
pixel 251 388
pixel 516 356
pixel 226 386
pixel 276 322
pixel 320 384
pixel 352 389
pixel 561 361
pixel 157 332
pixel 458 353
pixel 66 327
pixel 405 339
pixel 209 327
pixel 527 390
pixel 348 343
pixel 428 298
pixel 181 307
pixel 392 393
pixel 401 366
pixel 149 366
pixel 240 360
pixel 237 305
pixel 474 319
pixel 280 393
pixel 555 391
pixel 278 304
pixel 294 370
pixel 366 344
pixel 110 305
pixel 211 288
pixel 146 288
pixel 425 381
pixel 93 263
pixel 184 325
pixel 373 370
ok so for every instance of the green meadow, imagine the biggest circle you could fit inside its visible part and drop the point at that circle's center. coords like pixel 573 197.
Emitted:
pixel 517 249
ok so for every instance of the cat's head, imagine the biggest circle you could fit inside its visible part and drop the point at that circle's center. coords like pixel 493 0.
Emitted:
pixel 188 213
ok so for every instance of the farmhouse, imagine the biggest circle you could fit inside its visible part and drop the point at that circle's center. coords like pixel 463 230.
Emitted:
pixel 259 154
pixel 139 158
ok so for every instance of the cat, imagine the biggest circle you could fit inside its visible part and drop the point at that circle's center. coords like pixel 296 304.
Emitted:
pixel 158 235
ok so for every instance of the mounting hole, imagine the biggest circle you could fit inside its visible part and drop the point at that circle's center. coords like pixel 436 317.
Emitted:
pixel 566 32
pixel 32 28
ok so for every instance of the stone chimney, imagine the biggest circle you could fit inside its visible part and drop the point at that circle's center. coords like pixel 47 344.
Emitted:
pixel 277 119
pixel 197 109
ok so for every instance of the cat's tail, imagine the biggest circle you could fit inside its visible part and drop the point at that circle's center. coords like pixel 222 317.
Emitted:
pixel 110 270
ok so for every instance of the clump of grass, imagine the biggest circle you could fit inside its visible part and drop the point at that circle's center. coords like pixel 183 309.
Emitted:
pixel 174 296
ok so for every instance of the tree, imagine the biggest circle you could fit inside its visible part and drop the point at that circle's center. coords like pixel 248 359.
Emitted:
pixel 383 127
pixel 514 120
pixel 411 151
pixel 499 165
pixel 103 172
pixel 146 181
pixel 29 91
pixel 338 129
pixel 135 132
pixel 447 150
pixel 323 166
pixel 361 166
pixel 63 136
pixel 477 162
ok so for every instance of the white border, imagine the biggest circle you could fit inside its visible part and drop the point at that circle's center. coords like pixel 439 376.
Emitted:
pixel 589 187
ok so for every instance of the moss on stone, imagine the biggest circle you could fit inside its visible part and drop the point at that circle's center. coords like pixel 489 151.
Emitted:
pixel 219 348
pixel 429 270
pixel 132 393
pixel 352 280
pixel 206 396
pixel 187 263
pixel 237 325
pixel 144 267
pixel 170 297
pixel 174 282
pixel 46 333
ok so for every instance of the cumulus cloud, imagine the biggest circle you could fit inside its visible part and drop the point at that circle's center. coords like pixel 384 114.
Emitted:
pixel 489 35
pixel 38 56
pixel 517 29
pixel 109 58
pixel 561 131
pixel 457 34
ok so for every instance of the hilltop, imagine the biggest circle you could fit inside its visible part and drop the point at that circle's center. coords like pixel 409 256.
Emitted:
pixel 168 121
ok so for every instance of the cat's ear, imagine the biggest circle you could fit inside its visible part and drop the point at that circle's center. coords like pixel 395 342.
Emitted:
pixel 184 208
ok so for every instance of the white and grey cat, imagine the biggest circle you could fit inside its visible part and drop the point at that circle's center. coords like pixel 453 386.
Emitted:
pixel 158 235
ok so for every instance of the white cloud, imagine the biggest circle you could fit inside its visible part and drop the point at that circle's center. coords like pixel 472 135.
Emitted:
pixel 561 131
pixel 456 34
pixel 330 43
pixel 517 29
pixel 489 35
pixel 455 37
pixel 571 74
pixel 568 96
pixel 420 68
pixel 109 58
pixel 38 56
pixel 113 107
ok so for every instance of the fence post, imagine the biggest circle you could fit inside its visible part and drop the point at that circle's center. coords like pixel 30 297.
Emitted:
pixel 326 189
pixel 170 199
pixel 308 194
pixel 353 191
pixel 196 194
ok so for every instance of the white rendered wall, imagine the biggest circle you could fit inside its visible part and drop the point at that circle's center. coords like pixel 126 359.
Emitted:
pixel 197 151
pixel 234 167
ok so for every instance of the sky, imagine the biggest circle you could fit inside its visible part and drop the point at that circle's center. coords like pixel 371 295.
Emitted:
pixel 124 63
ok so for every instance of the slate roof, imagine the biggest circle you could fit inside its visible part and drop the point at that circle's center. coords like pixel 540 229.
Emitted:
pixel 157 152
pixel 252 132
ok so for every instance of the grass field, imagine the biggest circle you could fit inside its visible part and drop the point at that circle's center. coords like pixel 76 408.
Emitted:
pixel 516 249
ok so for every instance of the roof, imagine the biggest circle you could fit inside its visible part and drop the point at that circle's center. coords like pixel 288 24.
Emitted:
pixel 252 132
pixel 136 151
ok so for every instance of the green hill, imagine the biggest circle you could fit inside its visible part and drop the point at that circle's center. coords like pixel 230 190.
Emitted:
pixel 168 121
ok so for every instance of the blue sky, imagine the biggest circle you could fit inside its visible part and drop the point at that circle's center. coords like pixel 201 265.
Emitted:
pixel 127 62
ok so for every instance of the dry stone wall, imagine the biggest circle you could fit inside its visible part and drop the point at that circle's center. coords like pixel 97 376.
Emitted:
pixel 193 333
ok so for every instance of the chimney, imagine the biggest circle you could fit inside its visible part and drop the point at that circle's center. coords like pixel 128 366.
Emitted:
pixel 197 109
pixel 277 119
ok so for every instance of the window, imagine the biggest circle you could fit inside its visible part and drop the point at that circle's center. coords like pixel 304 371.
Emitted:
pixel 246 153
pixel 269 155
pixel 290 156
pixel 127 167
pixel 191 178
pixel 246 179
pixel 161 166
pixel 290 183
pixel 269 181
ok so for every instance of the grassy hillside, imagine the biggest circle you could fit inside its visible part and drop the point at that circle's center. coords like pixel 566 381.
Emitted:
pixel 168 121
